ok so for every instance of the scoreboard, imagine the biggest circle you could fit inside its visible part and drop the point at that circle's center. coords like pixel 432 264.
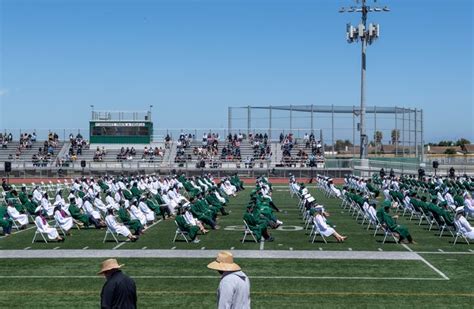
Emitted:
pixel 121 132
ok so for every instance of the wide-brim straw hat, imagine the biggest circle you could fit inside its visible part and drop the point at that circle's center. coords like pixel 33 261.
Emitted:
pixel 224 262
pixel 109 265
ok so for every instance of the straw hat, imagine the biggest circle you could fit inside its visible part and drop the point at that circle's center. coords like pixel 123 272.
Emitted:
pixel 109 265
pixel 224 262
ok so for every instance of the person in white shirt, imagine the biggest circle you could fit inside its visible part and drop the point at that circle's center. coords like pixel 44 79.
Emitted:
pixel 43 226
pixel 461 222
pixel 324 228
pixel 22 219
pixel 116 227
pixel 63 219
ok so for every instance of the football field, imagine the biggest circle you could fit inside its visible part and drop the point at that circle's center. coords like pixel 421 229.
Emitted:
pixel 290 272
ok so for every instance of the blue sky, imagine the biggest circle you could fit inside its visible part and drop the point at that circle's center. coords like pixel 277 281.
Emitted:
pixel 193 59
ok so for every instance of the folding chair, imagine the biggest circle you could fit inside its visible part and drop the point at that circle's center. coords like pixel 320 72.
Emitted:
pixel 40 233
pixel 315 232
pixel 248 231
pixel 459 233
pixel 445 226
pixel 114 235
pixel 181 233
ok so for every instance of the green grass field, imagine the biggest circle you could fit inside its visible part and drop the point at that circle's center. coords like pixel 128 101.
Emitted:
pixel 276 283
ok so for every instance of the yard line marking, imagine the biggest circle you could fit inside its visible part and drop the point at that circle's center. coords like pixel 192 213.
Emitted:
pixel 258 254
pixel 272 293
pixel 27 248
pixel 85 248
pixel 447 253
pixel 439 272
pixel 216 277
pixel 144 248
pixel 440 250
pixel 173 248
pixel 291 249
pixel 350 249
pixel 320 249
pixel 56 248
pixel 203 248
pixel 262 245
pixel 120 245
pixel 406 247
pixel 471 250
pixel 232 248
pixel 380 249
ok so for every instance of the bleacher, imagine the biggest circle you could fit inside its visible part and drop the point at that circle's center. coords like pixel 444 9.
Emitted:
pixel 10 153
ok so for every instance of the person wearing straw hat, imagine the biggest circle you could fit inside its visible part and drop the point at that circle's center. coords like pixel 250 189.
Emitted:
pixel 234 288
pixel 119 291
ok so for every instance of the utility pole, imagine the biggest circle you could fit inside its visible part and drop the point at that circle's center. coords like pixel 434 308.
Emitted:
pixel 366 35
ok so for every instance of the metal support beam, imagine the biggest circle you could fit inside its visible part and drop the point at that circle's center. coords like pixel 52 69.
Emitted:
pixel 396 133
pixel 291 118
pixel 416 133
pixel 270 123
pixel 249 120
pixel 332 130
pixel 229 119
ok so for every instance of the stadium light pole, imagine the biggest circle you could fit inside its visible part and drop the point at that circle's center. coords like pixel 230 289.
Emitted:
pixel 367 35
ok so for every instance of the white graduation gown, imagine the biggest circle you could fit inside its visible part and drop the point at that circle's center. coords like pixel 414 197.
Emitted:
pixel 135 213
pixel 325 229
pixel 47 207
pixel 15 215
pixel 45 228
pixel 149 214
pixel 116 227
pixel 89 209
pixel 465 227
pixel 65 222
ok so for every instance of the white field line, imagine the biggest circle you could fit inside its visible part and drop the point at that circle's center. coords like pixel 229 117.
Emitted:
pixel 120 244
pixel 406 247
pixel 439 272
pixel 128 240
pixel 262 245
pixel 216 277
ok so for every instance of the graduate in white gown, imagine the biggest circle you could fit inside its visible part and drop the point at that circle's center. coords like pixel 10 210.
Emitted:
pixel 324 228
pixel 464 225
pixel 22 219
pixel 149 214
pixel 116 227
pixel 44 227
pixel 136 213
pixel 63 218
pixel 47 206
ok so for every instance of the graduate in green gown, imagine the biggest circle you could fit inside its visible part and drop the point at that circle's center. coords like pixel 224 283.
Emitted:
pixel 256 224
pixel 124 216
pixel 390 223
pixel 192 230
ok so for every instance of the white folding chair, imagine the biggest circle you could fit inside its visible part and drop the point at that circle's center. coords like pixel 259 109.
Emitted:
pixel 248 231
pixel 38 232
pixel 181 233
pixel 114 235
pixel 459 233
pixel 315 232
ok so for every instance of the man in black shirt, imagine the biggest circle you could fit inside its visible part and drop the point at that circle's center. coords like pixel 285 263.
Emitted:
pixel 119 291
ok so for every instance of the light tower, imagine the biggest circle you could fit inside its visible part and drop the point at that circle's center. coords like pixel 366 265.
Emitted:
pixel 366 35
